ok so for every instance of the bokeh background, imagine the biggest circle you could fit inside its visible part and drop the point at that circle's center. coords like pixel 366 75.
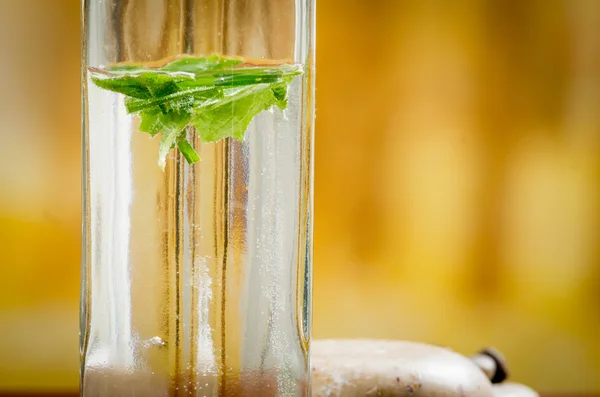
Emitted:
pixel 457 183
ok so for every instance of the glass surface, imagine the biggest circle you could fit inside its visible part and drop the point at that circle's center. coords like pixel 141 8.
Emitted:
pixel 196 279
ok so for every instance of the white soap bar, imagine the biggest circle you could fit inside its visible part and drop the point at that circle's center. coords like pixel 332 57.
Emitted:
pixel 509 389
pixel 381 368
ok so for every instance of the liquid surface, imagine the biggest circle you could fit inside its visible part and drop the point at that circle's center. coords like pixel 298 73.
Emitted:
pixel 196 278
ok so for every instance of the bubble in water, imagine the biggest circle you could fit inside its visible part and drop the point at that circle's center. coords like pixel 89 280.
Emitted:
pixel 154 341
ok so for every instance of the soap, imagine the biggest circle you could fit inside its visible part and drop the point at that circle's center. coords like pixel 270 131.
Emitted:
pixel 511 389
pixel 386 368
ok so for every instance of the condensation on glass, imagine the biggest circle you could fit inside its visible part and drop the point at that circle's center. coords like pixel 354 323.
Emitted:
pixel 196 280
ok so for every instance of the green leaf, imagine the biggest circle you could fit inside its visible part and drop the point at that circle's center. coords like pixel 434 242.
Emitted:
pixel 145 85
pixel 124 68
pixel 280 91
pixel 230 116
pixel 160 85
pixel 172 125
pixel 211 95
pixel 187 150
pixel 167 142
pixel 196 65
pixel 128 85
pixel 174 101
pixel 151 121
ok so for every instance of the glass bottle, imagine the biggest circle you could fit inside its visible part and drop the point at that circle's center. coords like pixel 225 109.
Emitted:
pixel 196 278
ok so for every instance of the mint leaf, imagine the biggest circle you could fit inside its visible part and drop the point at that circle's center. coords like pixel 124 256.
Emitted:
pixel 173 101
pixel 208 93
pixel 196 65
pixel 230 116
pixel 167 142
pixel 124 68
pixel 145 85
pixel 280 92
pixel 160 85
pixel 151 121
pixel 173 126
pixel 127 85
pixel 187 150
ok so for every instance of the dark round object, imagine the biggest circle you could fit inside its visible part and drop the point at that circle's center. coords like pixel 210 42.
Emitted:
pixel 501 373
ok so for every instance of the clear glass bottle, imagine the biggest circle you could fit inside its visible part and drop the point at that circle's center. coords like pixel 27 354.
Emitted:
pixel 196 278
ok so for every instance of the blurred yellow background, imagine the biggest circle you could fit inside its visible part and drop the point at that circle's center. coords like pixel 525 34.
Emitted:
pixel 457 183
